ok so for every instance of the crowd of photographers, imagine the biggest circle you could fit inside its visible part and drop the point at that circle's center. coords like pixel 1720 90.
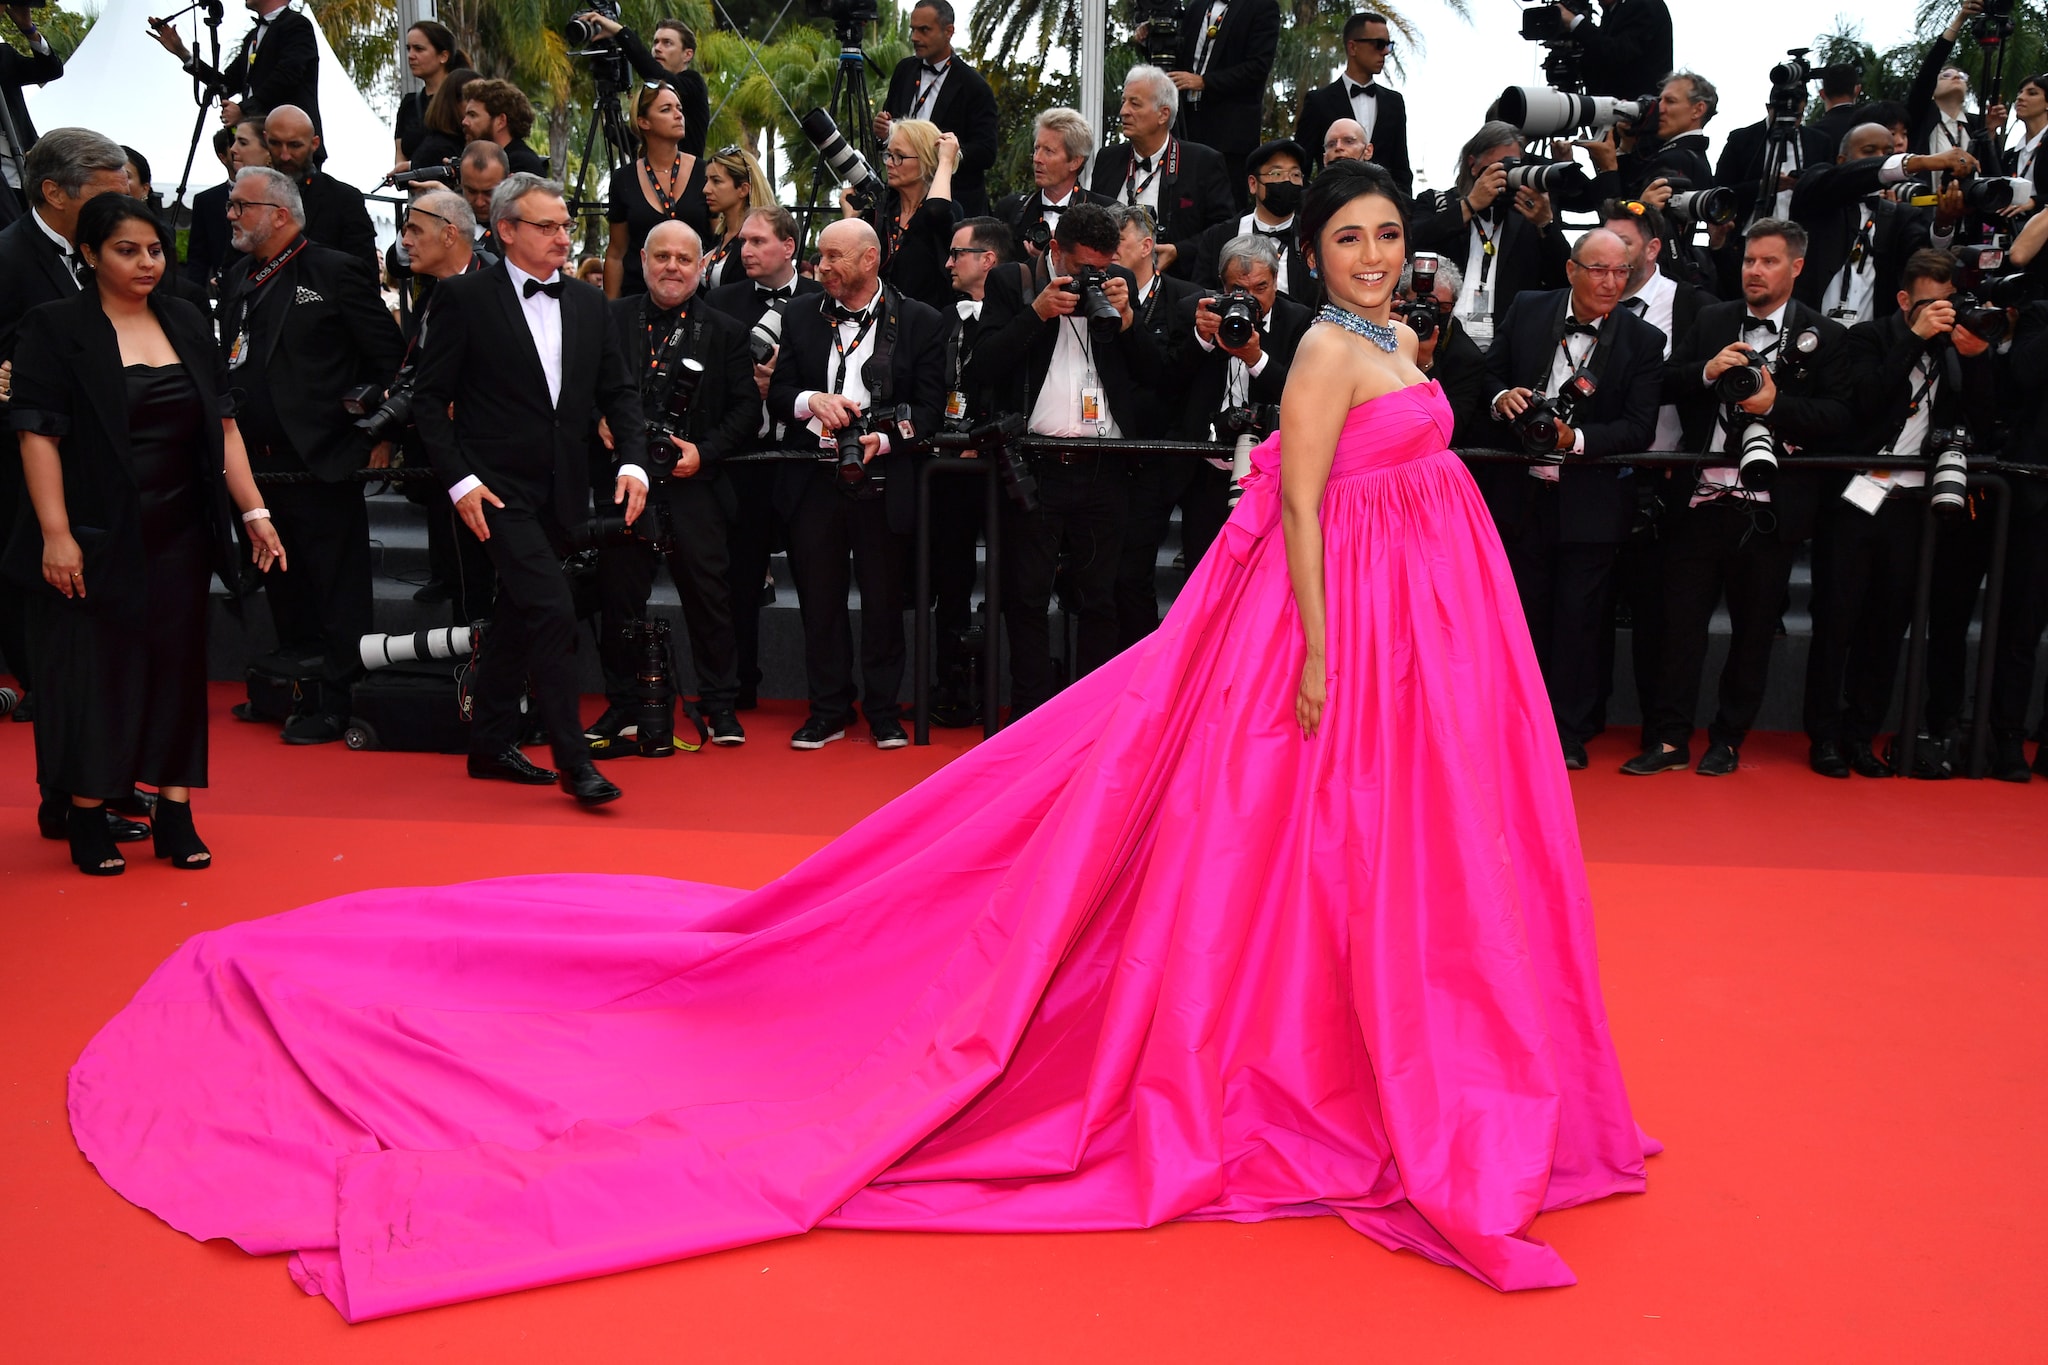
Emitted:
pixel 1864 282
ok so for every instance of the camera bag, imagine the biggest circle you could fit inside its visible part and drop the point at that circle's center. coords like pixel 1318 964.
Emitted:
pixel 415 707
pixel 279 687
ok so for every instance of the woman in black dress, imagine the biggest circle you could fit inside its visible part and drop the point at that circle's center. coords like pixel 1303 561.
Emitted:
pixel 733 184
pixel 131 461
pixel 664 182
pixel 915 217
pixel 430 54
pixel 441 123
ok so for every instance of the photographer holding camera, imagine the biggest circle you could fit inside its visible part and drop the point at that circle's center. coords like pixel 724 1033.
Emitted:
pixel 1275 174
pixel 1859 238
pixel 934 83
pixel 1935 118
pixel 1073 358
pixel 483 168
pixel 1573 375
pixel 521 364
pixel 667 63
pixel 1357 95
pixel 1443 350
pixel 1754 379
pixel 1750 150
pixel 1184 184
pixel 1222 69
pixel 768 246
pixel 1676 148
pixel 864 370
pixel 277 64
pixel 695 418
pixel 1502 240
pixel 1061 142
pixel 1921 375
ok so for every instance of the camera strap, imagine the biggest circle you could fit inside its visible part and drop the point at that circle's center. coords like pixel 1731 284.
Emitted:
pixel 841 350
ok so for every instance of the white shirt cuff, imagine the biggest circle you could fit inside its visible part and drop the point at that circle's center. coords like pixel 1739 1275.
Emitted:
pixel 634 471
pixel 1578 441
pixel 802 410
pixel 461 490
pixel 884 449
pixel 1894 169
pixel 1495 404
pixel 39 44
pixel 1259 368
pixel 1204 342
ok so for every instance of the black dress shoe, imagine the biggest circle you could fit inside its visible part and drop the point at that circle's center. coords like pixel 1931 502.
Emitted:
pixel 509 765
pixel 589 786
pixel 1718 761
pixel 1574 754
pixel 136 805
pixel 1657 759
pixel 1865 760
pixel 53 816
pixel 1825 757
pixel 2009 759
pixel 2041 759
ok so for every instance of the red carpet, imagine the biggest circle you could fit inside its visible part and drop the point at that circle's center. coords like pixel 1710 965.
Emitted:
pixel 1827 997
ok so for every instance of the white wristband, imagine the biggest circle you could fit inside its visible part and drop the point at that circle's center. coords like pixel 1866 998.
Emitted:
pixel 256 514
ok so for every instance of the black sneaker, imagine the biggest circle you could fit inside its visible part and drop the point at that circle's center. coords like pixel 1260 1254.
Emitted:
pixel 725 728
pixel 888 734
pixel 614 732
pixel 815 734
pixel 317 728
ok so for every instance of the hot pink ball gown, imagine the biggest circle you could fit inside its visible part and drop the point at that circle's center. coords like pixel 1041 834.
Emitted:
pixel 1146 955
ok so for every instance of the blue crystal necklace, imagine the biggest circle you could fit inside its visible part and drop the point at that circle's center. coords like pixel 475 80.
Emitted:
pixel 1379 334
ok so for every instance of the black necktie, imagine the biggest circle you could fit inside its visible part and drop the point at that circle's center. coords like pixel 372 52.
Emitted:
pixel 552 288
pixel 1371 92
pixel 762 291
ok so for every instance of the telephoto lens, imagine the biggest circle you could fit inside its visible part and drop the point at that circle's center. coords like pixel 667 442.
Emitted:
pixel 1948 481
pixel 1715 206
pixel 1237 319
pixel 1101 315
pixel 840 158
pixel 448 642
pixel 1539 111
pixel 1757 464
pixel 1545 177
pixel 1983 195
pixel 766 333
pixel 852 467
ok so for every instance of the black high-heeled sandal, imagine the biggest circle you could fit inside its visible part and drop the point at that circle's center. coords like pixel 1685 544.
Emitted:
pixel 92 843
pixel 175 839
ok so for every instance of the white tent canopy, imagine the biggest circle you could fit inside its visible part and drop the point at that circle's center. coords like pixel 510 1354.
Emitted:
pixel 122 83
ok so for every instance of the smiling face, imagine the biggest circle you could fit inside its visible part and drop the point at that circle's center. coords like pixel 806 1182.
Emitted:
pixel 1360 252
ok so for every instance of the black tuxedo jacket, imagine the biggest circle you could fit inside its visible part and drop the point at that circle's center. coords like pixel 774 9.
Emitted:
pixel 480 359
pixel 1834 124
pixel 1628 51
pixel 1741 166
pixel 741 303
pixel 1683 157
pixel 69 385
pixel 1020 211
pixel 1233 102
pixel 32 272
pixel 1325 104
pixel 1881 354
pixel 1194 193
pixel 206 246
pixel 25 68
pixel 1205 374
pixel 917 376
pixel 1924 116
pixel 1815 408
pixel 286 69
pixel 727 410
pixel 1525 257
pixel 331 333
pixel 1157 406
pixel 1208 271
pixel 1015 350
pixel 1460 366
pixel 1595 503
pixel 1826 202
pixel 964 107
pixel 336 217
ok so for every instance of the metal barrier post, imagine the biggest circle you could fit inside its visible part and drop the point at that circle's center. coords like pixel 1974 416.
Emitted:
pixel 992 601
pixel 1987 645
pixel 1916 648
pixel 921 655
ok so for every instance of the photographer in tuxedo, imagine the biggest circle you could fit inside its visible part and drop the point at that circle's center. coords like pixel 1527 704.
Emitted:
pixel 1732 536
pixel 1275 174
pixel 1381 114
pixel 768 245
pixel 864 360
pixel 301 325
pixel 934 83
pixel 1073 376
pixel 278 63
pixel 522 363
pixel 1226 62
pixel 665 61
pixel 1501 243
pixel 1185 185
pixel 1859 238
pixel 1563 525
pixel 1748 149
pixel 1626 51
pixel 1918 371
pixel 1061 141
pixel 657 331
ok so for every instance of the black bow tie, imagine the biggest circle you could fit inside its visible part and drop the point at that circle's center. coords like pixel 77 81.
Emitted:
pixel 1278 234
pixel 840 313
pixel 928 69
pixel 1573 328
pixel 1753 324
pixel 787 291
pixel 1144 163
pixel 552 288
pixel 1371 92
pixel 1636 306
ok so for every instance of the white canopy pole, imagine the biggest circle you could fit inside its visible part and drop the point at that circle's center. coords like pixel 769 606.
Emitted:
pixel 1094 31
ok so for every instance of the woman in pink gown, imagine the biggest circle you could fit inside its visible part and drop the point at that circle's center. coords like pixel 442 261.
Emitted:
pixel 1281 913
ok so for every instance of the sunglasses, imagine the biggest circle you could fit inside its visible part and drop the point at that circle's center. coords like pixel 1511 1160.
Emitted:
pixel 1383 44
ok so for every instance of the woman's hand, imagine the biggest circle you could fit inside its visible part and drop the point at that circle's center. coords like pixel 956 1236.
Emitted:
pixel 1314 694
pixel 949 151
pixel 64 565
pixel 265 549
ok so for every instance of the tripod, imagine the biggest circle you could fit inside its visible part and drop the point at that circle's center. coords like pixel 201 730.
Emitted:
pixel 608 74
pixel 1779 141
pixel 853 110
pixel 204 91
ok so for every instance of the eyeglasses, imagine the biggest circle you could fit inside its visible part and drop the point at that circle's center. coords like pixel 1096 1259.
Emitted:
pixel 1383 44
pixel 1281 177
pixel 237 207
pixel 955 252
pixel 895 158
pixel 560 228
pixel 1612 272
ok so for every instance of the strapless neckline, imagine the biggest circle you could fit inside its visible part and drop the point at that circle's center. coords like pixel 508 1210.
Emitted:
pixel 1395 393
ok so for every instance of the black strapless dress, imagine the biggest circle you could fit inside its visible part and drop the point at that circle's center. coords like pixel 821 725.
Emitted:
pixel 121 696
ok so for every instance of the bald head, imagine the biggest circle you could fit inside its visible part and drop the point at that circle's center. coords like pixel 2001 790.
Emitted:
pixel 289 136
pixel 1346 142
pixel 1599 273
pixel 849 257
pixel 672 263
pixel 1599 246
pixel 671 233
pixel 1865 140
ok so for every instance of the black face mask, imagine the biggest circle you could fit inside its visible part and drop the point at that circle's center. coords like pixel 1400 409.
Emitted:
pixel 1281 197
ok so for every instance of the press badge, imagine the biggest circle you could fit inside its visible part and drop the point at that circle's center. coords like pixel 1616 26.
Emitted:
pixel 1865 494
pixel 238 352
pixel 1091 406
pixel 956 405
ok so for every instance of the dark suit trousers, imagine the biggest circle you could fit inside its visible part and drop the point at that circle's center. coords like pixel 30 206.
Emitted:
pixel 459 560
pixel 1715 551
pixel 532 639
pixel 1566 588
pixel 835 541
pixel 750 540
pixel 1157 486
pixel 1075 536
pixel 1962 554
pixel 959 506
pixel 625 576
pixel 1864 567
pixel 14 600
pixel 2023 615
pixel 321 605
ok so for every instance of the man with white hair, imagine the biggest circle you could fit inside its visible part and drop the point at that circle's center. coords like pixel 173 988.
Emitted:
pixel 1185 184
pixel 1061 142
pixel 301 325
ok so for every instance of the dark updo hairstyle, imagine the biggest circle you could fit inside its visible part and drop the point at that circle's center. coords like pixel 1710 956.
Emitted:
pixel 442 41
pixel 1338 184
pixel 105 212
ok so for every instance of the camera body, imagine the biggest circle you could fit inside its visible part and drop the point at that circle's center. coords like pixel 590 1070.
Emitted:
pixel 380 415
pixel 1423 313
pixel 766 333
pixel 856 475
pixel 1086 281
pixel 1237 318
pixel 1982 299
pixel 1038 236
pixel 1536 426
pixel 1742 382
pixel 1714 205
pixel 672 416
pixel 841 159
pixel 1789 80
pixel 1161 18
pixel 580 32
pixel 1258 420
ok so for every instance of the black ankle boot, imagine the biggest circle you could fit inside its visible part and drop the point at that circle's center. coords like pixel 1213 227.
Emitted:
pixel 176 839
pixel 92 843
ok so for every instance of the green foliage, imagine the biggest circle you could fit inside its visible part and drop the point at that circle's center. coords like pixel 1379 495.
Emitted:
pixel 65 28
pixel 1888 75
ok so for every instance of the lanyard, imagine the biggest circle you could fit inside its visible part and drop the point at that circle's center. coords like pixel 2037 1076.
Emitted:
pixel 842 351
pixel 667 196
pixel 656 354
pixel 1486 249
pixel 270 268
pixel 925 92
pixel 1170 152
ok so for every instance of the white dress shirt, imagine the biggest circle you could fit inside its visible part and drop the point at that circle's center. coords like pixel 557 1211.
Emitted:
pixel 1142 181
pixel 1364 108
pixel 2027 159
pixel 855 385
pixel 1205 46
pixel 927 97
pixel 1658 296
pixel 1058 409
pixel 1911 442
pixel 1281 233
pixel 1851 296
pixel 70 254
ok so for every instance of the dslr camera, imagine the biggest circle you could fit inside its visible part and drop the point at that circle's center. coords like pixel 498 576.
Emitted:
pixel 840 158
pixel 1423 313
pixel 1714 205
pixel 1237 318
pixel 766 333
pixel 1536 425
pixel 1039 236
pixel 1545 177
pixel 381 416
pixel 1789 79
pixel 1103 320
pixel 1540 111
pixel 581 33
pixel 1161 19
pixel 1948 469
pixel 846 456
